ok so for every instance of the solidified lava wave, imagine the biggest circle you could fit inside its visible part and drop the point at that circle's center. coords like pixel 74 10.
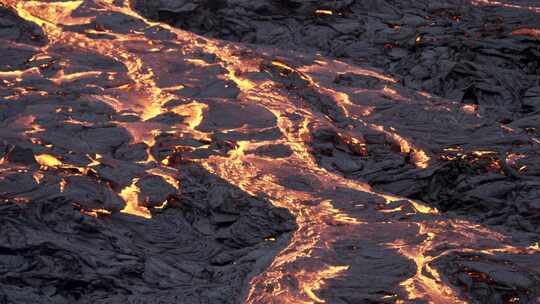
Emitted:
pixel 269 151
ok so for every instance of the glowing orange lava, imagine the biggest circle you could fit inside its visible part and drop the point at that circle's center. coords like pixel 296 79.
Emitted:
pixel 308 259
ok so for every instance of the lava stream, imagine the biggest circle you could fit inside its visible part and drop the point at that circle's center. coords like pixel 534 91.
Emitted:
pixel 330 209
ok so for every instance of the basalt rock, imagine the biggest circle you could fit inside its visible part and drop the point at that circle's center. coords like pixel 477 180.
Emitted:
pixel 322 151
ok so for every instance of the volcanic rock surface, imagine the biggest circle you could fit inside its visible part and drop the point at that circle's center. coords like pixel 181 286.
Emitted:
pixel 265 151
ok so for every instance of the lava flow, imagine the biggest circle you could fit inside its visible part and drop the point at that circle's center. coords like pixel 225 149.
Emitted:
pixel 150 155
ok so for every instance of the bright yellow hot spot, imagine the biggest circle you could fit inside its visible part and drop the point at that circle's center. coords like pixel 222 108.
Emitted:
pixel 96 212
pixel 47 160
pixel 130 195
pixel 324 12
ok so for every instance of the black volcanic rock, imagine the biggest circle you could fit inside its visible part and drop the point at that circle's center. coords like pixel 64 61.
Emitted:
pixel 456 51
pixel 323 151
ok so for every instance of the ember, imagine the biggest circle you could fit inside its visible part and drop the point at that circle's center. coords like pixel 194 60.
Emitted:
pixel 290 151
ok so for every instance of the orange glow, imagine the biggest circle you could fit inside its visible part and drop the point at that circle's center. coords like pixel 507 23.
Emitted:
pixel 482 153
pixel 469 109
pixel 336 216
pixel 513 158
pixel 500 3
pixel 534 246
pixel 419 156
pixel 62 185
pixel 193 111
pixel 38 177
pixel 310 285
pixel 389 90
pixel 422 286
pixel 96 212
pixel 145 88
pixel 419 207
pixel 243 84
pixel 324 12
pixel 162 206
pixel 130 195
pixel 527 32
pixel 167 174
pixel 47 160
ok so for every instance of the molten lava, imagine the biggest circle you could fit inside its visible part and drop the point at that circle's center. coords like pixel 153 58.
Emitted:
pixel 144 129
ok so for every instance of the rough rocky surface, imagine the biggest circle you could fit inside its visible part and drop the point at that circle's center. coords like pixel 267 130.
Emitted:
pixel 449 48
pixel 478 56
pixel 295 152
